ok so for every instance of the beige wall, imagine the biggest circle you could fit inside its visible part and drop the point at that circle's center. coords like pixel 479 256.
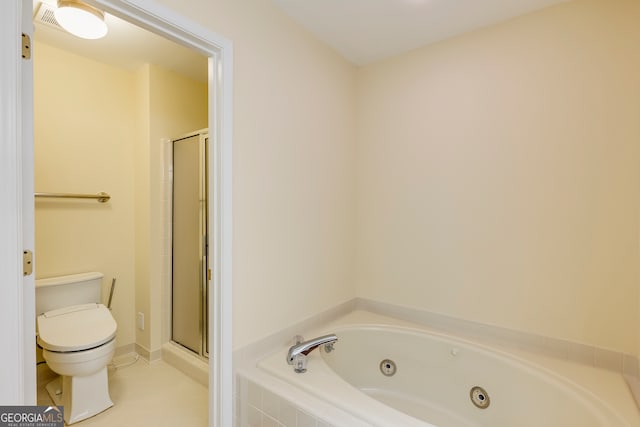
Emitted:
pixel 499 175
pixel 496 173
pixel 171 105
pixel 84 134
pixel 293 177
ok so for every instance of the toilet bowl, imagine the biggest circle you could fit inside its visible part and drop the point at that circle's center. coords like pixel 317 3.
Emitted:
pixel 78 342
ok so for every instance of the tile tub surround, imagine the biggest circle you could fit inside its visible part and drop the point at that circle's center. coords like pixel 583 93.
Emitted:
pixel 263 401
pixel 246 358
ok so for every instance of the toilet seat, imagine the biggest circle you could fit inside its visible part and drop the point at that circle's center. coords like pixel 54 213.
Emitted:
pixel 76 328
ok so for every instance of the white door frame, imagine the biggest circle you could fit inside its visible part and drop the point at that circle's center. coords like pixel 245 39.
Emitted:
pixel 17 300
pixel 17 383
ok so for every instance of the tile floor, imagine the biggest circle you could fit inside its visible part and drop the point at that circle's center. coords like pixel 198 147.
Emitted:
pixel 144 394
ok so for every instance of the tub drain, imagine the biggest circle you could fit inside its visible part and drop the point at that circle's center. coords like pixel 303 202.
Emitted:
pixel 479 397
pixel 388 367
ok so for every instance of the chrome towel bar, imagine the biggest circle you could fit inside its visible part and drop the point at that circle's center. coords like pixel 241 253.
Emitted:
pixel 102 197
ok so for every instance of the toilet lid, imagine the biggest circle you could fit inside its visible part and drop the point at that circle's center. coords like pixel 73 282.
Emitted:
pixel 75 328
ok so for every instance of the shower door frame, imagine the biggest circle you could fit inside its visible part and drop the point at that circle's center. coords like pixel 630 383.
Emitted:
pixel 204 271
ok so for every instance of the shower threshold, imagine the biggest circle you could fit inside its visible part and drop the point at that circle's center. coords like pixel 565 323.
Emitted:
pixel 188 362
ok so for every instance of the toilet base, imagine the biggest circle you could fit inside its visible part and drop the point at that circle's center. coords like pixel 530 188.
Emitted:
pixel 82 397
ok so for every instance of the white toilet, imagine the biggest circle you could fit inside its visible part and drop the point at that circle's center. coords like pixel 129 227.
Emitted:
pixel 77 335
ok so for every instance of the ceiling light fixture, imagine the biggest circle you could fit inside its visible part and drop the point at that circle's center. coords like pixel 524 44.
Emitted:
pixel 80 19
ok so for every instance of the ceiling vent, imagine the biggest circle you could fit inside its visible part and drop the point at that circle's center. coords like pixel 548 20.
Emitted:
pixel 44 15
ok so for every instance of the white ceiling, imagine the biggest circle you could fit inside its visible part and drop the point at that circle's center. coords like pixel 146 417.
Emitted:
pixel 126 46
pixel 365 31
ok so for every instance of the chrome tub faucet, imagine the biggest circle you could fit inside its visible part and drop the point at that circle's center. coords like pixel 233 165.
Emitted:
pixel 298 352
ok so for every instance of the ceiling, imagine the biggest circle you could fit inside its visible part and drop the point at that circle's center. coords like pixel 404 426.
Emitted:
pixel 126 46
pixel 365 31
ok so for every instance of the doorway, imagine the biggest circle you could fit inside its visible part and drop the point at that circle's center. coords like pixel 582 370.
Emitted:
pixel 151 16
pixel 102 113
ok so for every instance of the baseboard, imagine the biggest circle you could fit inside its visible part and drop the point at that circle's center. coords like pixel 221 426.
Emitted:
pixel 634 386
pixel 148 355
pixel 125 349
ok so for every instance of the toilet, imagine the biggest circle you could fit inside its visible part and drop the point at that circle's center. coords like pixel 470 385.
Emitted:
pixel 77 336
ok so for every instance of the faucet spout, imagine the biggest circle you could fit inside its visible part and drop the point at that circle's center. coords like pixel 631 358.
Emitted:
pixel 307 347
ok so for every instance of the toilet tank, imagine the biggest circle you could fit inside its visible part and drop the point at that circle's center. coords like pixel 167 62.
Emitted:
pixel 64 291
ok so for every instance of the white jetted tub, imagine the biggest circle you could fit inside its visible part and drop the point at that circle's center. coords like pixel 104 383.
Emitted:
pixel 401 376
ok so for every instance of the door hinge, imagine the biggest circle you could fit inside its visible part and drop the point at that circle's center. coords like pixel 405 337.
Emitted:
pixel 27 263
pixel 208 274
pixel 26 46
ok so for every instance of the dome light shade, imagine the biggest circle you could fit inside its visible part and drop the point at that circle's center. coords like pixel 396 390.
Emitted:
pixel 80 19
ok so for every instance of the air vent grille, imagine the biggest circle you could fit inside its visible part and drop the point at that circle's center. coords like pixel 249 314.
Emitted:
pixel 44 15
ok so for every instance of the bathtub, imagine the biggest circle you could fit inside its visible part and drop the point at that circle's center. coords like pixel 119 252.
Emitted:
pixel 393 375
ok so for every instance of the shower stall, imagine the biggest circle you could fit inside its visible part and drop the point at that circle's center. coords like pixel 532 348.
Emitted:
pixel 190 248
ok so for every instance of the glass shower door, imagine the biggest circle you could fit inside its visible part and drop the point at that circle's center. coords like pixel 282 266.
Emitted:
pixel 190 244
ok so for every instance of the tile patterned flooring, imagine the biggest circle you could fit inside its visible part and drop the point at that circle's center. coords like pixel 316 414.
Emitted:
pixel 152 394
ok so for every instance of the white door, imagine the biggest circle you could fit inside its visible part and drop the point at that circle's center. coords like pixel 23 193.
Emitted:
pixel 17 300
